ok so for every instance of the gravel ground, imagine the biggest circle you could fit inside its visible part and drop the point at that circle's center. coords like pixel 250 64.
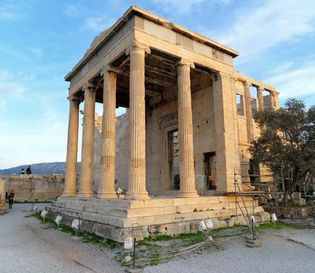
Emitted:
pixel 25 247
pixel 283 251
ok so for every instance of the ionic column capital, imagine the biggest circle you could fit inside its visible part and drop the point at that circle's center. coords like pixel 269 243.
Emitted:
pixel 260 89
pixel 74 99
pixel 137 47
pixel 247 84
pixel 109 69
pixel 219 75
pixel 185 63
pixel 88 86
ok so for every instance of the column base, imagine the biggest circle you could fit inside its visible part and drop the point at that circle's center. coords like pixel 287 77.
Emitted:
pixel 107 195
pixel 68 194
pixel 137 196
pixel 85 194
pixel 187 194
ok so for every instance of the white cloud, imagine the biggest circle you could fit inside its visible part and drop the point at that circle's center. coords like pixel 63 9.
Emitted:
pixel 295 82
pixel 36 51
pixel 181 7
pixel 9 11
pixel 255 31
pixel 10 85
pixel 97 23
pixel 73 10
pixel 281 68
pixel 6 51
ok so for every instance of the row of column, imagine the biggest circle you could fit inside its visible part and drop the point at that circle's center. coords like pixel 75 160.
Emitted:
pixel 261 106
pixel 137 135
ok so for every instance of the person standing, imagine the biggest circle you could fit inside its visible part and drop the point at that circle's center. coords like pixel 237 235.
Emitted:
pixel 28 170
pixel 11 198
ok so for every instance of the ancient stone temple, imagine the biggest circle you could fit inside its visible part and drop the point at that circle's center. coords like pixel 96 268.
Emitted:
pixel 189 124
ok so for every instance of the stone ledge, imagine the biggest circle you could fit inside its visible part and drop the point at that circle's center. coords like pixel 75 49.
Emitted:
pixel 104 219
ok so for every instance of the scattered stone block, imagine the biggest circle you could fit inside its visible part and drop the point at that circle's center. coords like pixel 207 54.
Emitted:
pixel 299 202
pixel 296 195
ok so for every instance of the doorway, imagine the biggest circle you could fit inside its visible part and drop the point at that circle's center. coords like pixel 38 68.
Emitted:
pixel 173 159
pixel 209 161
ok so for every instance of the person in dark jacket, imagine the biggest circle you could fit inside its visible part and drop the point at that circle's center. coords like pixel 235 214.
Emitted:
pixel 28 170
pixel 11 198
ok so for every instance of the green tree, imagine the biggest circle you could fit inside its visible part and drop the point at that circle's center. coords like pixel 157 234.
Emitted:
pixel 287 142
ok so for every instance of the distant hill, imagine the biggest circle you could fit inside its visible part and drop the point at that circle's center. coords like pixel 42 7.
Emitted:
pixel 39 168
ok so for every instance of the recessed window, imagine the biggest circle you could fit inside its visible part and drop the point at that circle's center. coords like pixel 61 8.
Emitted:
pixel 253 104
pixel 240 104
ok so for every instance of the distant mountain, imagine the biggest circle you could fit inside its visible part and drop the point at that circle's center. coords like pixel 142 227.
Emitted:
pixel 39 168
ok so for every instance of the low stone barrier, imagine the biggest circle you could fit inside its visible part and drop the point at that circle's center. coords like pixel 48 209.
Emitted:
pixel 34 187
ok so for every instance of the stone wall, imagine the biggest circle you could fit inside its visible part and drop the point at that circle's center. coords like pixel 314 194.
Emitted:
pixel 34 187
pixel 3 205
pixel 122 150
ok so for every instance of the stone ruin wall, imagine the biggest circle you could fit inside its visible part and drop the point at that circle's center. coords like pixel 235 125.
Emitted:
pixel 122 150
pixel 33 187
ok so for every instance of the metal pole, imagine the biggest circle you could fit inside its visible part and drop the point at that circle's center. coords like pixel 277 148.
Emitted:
pixel 134 254
pixel 235 194
pixel 253 204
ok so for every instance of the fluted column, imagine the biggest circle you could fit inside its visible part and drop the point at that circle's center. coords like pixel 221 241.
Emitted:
pixel 260 98
pixel 185 132
pixel 107 162
pixel 87 153
pixel 72 149
pixel 248 111
pixel 274 99
pixel 137 159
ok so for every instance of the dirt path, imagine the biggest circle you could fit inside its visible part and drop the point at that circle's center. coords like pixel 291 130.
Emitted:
pixel 26 247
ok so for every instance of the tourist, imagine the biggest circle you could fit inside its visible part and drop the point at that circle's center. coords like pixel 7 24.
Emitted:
pixel 11 198
pixel 28 170
pixel 22 171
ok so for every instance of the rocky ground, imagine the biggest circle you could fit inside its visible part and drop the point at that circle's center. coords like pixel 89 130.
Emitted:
pixel 27 246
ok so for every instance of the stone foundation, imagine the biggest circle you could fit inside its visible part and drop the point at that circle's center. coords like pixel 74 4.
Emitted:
pixel 118 219
pixel 291 212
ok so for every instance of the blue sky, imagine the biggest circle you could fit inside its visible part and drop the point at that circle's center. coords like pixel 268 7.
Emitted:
pixel 41 40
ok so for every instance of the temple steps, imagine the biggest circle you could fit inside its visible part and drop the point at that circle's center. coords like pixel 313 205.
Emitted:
pixel 136 213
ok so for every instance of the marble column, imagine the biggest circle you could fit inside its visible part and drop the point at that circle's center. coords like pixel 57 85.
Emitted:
pixel 72 149
pixel 248 111
pixel 87 153
pixel 274 100
pixel 137 135
pixel 277 103
pixel 260 98
pixel 185 132
pixel 108 147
